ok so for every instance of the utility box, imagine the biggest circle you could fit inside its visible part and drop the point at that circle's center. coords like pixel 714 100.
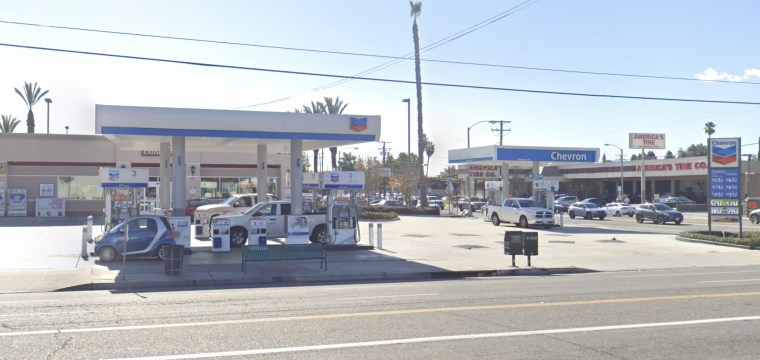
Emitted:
pixel 513 243
pixel 220 235
pixel 530 243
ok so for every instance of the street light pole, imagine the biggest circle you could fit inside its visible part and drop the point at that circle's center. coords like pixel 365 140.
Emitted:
pixel 501 129
pixel 48 101
pixel 620 193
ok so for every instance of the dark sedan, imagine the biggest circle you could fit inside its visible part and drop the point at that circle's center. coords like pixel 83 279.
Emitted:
pixel 659 213
pixel 598 201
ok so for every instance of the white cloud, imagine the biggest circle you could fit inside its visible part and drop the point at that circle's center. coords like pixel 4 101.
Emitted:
pixel 711 74
pixel 748 73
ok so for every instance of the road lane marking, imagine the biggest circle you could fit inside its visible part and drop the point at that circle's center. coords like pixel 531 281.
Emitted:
pixel 384 296
pixel 44 313
pixel 688 274
pixel 385 313
pixel 448 338
pixel 722 281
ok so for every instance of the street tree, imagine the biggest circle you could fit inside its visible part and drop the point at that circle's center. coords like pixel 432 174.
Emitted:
pixel 334 107
pixel 429 150
pixel 9 123
pixel 31 95
pixel 709 129
pixel 316 108
pixel 415 12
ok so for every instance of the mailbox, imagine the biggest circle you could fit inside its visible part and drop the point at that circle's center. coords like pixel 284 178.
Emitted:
pixel 513 243
pixel 530 243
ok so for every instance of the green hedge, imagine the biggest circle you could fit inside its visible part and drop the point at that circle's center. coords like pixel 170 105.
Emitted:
pixel 370 215
pixel 402 211
pixel 751 238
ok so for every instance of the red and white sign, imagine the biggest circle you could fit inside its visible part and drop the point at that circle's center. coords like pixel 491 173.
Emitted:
pixel 646 141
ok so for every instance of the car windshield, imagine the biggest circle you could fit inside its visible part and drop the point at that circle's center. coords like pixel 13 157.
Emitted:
pixel 230 200
pixel 662 207
pixel 590 205
pixel 527 203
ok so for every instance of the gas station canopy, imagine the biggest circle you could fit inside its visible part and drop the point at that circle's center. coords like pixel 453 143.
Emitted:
pixel 143 128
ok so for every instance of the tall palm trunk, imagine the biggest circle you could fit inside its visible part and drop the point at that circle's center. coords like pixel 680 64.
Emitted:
pixel 30 122
pixel 316 161
pixel 420 145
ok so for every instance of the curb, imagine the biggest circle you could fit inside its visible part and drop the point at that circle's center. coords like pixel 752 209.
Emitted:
pixel 746 247
pixel 294 279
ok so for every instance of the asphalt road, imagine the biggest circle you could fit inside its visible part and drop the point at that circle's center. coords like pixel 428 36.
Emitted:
pixel 688 313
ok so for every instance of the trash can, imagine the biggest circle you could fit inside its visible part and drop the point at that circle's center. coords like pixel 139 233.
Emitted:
pixel 173 256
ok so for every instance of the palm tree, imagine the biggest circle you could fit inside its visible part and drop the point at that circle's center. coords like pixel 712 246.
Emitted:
pixel 429 150
pixel 316 108
pixel 9 123
pixel 709 129
pixel 415 12
pixel 30 96
pixel 335 107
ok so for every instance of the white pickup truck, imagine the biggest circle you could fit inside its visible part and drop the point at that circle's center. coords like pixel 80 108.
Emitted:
pixel 235 204
pixel 522 212
pixel 274 212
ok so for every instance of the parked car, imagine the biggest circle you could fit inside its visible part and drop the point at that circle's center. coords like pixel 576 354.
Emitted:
pixel 586 210
pixel 521 212
pixel 619 209
pixel 659 213
pixel 754 216
pixel 562 203
pixel 388 203
pixel 147 236
pixel 476 203
pixel 598 201
pixel 434 200
pixel 674 201
pixel 193 204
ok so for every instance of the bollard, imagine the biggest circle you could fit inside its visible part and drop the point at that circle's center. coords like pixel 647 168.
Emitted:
pixel 371 234
pixel 561 219
pixel 85 239
pixel 89 227
pixel 380 236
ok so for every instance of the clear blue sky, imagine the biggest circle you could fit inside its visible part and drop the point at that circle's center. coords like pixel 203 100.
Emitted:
pixel 664 38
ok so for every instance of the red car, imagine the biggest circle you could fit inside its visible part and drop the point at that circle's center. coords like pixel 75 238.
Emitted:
pixel 193 204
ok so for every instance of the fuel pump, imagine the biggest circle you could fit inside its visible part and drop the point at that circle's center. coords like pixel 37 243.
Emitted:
pixel 123 188
pixel 342 209
pixel 543 192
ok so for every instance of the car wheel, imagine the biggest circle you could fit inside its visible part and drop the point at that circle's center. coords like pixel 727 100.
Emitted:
pixel 238 237
pixel 602 217
pixel 755 219
pixel 639 219
pixel 495 220
pixel 617 213
pixel 588 216
pixel 678 222
pixel 319 235
pixel 160 253
pixel 524 222
pixel 571 214
pixel 630 214
pixel 660 220
pixel 106 253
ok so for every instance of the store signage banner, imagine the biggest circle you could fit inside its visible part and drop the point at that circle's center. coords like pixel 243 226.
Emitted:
pixel 342 180
pixel 724 177
pixel 646 141
pixel 16 202
pixel 54 207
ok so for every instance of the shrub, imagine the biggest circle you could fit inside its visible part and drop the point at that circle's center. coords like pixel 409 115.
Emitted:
pixel 376 215
pixel 751 238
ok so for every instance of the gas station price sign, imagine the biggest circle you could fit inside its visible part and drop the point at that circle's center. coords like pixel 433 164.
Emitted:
pixel 725 155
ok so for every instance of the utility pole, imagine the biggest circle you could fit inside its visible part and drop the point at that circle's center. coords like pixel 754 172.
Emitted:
pixel 384 152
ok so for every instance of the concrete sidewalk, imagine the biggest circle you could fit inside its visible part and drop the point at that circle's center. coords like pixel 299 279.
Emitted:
pixel 413 248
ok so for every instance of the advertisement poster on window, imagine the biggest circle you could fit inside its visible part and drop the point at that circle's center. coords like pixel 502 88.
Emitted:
pixel 2 202
pixel 16 202
pixel 54 207
pixel 47 190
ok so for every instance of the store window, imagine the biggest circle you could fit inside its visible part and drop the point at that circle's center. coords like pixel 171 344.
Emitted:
pixel 210 188
pixel 230 186
pixel 248 185
pixel 80 188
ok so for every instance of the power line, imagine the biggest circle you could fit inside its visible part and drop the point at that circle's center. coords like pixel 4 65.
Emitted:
pixel 463 86
pixel 402 58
